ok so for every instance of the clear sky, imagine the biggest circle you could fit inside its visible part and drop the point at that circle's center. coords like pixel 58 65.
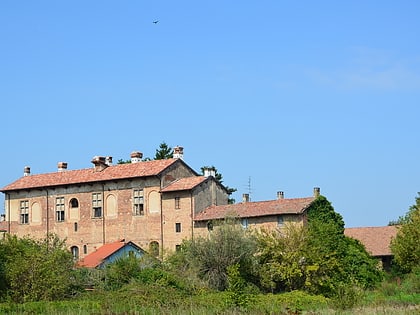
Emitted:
pixel 277 95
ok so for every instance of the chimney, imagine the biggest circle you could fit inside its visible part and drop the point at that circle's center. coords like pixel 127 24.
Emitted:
pixel 280 195
pixel 26 171
pixel 62 166
pixel 179 152
pixel 136 156
pixel 99 163
pixel 209 171
pixel 245 197
pixel 317 192
pixel 108 160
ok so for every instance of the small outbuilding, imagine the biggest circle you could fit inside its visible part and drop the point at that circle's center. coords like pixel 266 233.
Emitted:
pixel 109 253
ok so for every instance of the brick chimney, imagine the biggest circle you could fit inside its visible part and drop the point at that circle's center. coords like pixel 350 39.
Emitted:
pixel 62 166
pixel 245 197
pixel 136 156
pixel 26 171
pixel 179 152
pixel 317 192
pixel 280 195
pixel 99 163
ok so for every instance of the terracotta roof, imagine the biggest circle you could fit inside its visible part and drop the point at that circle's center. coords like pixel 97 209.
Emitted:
pixel 186 183
pixel 97 257
pixel 256 209
pixel 376 239
pixel 68 177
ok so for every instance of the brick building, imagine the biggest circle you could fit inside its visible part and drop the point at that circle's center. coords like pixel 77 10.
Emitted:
pixel 151 203
pixel 268 214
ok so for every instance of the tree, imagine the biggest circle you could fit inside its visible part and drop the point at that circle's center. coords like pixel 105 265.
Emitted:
pixel 281 256
pixel 164 152
pixel 317 257
pixel 36 270
pixel 406 245
pixel 227 245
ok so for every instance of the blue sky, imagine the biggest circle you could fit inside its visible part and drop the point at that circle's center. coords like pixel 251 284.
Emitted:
pixel 278 95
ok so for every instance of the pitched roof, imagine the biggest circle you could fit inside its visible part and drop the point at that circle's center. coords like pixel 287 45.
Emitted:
pixel 377 240
pixel 256 209
pixel 186 183
pixel 94 259
pixel 113 172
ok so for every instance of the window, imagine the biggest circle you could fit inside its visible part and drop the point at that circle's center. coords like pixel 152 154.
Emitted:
pixel 178 248
pixel 177 203
pixel 74 203
pixel 85 249
pixel 280 221
pixel 75 252
pixel 138 202
pixel 97 205
pixel 244 223
pixel 24 212
pixel 59 209
pixel 75 226
pixel 178 227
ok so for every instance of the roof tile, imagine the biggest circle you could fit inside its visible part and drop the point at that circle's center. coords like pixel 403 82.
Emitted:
pixel 255 209
pixel 97 257
pixel 186 183
pixel 377 240
pixel 118 171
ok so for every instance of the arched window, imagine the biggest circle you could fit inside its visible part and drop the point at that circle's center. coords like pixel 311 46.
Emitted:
pixel 75 252
pixel 74 203
pixel 154 248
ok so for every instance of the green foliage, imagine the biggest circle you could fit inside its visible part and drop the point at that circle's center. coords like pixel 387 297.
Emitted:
pixel 209 258
pixel 164 152
pixel 406 245
pixel 239 292
pixel 321 210
pixel 36 270
pixel 316 258
pixel 281 255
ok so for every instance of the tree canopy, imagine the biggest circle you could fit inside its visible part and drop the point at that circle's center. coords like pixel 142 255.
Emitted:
pixel 406 245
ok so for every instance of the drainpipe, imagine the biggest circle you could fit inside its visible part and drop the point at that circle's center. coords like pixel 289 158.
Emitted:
pixel 103 213
pixel 48 213
pixel 192 215
pixel 161 218
pixel 8 211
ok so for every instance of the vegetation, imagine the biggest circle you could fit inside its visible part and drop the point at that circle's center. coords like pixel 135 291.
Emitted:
pixel 406 245
pixel 313 269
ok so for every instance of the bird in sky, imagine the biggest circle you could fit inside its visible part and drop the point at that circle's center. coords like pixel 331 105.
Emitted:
pixel 155 22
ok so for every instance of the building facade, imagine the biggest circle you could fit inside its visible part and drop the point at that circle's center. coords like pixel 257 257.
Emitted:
pixel 151 203
pixel 269 214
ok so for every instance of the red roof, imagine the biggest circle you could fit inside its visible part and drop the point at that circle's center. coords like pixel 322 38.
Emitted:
pixel 377 240
pixel 256 209
pixel 186 183
pixel 97 257
pixel 68 177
